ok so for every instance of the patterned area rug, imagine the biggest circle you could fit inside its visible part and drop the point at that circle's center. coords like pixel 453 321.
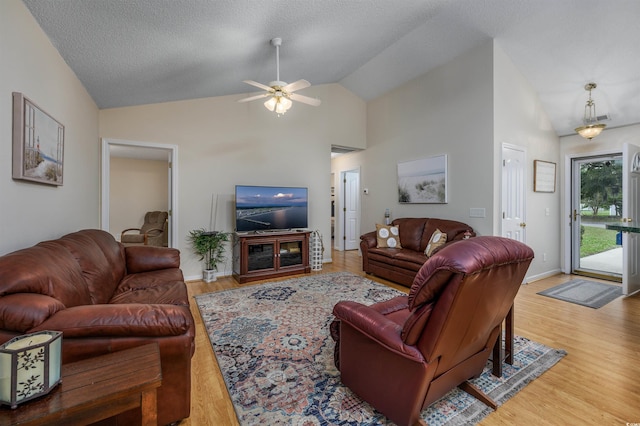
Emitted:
pixel 273 346
pixel 588 293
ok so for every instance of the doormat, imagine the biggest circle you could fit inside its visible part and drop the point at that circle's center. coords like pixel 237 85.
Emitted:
pixel 588 293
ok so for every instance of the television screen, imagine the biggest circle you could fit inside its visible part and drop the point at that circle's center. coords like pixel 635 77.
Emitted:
pixel 270 208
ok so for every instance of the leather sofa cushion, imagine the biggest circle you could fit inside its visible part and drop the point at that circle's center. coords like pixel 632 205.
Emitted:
pixel 411 230
pixel 128 320
pixel 101 259
pixel 169 293
pixel 149 279
pixel 148 258
pixel 454 230
pixel 43 270
pixel 389 255
pixel 23 311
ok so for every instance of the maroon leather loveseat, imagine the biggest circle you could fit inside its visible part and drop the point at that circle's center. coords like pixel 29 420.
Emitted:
pixel 104 297
pixel 402 264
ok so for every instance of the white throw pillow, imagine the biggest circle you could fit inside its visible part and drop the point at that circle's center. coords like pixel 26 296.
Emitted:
pixel 438 238
pixel 388 236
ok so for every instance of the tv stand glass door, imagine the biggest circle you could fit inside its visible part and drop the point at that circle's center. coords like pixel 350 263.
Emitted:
pixel 260 256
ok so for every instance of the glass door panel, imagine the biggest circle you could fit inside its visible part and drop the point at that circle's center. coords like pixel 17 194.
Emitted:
pixel 290 253
pixel 597 200
pixel 260 256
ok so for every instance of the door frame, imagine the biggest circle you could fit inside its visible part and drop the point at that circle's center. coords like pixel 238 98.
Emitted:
pixel 340 231
pixel 522 189
pixel 173 186
pixel 566 221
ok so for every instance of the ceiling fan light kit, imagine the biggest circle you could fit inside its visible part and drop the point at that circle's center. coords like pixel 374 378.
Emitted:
pixel 591 127
pixel 281 94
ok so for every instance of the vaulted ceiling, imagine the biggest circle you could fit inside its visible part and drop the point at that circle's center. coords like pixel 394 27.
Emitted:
pixel 146 51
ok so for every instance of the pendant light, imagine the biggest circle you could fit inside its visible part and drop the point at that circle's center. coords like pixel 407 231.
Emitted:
pixel 590 128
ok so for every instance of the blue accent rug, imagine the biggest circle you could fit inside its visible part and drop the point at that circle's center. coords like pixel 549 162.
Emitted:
pixel 273 347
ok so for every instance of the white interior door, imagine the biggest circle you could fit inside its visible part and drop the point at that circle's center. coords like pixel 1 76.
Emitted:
pixel 351 209
pixel 513 193
pixel 630 213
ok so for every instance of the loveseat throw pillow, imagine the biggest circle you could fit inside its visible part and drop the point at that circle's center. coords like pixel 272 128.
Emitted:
pixel 438 238
pixel 388 236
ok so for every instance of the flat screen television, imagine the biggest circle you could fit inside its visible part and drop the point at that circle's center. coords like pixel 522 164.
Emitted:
pixel 262 208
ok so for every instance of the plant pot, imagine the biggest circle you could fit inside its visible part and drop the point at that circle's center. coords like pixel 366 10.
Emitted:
pixel 209 275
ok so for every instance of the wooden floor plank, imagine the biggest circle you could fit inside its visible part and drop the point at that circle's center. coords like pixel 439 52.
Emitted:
pixel 597 383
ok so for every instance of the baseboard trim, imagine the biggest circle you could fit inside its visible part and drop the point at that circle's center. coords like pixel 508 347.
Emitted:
pixel 538 277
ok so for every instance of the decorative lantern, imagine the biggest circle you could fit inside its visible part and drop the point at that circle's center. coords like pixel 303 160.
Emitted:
pixel 29 366
pixel 316 250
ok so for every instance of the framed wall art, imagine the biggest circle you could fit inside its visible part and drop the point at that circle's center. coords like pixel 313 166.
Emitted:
pixel 423 181
pixel 38 143
pixel 544 176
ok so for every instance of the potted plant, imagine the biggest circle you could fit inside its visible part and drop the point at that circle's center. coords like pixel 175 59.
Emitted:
pixel 209 245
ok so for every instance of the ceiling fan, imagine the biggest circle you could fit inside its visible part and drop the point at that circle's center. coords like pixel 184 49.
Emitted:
pixel 281 94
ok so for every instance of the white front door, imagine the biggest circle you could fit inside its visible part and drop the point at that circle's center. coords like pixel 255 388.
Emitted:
pixel 630 213
pixel 351 209
pixel 513 193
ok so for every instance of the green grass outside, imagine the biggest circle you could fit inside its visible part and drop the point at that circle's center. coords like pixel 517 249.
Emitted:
pixel 596 240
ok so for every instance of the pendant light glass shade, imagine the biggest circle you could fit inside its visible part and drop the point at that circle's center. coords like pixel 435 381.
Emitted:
pixel 591 127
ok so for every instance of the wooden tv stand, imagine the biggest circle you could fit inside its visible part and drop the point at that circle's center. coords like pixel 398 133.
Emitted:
pixel 270 254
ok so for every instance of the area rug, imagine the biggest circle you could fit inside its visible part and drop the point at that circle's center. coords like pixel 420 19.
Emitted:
pixel 588 293
pixel 273 347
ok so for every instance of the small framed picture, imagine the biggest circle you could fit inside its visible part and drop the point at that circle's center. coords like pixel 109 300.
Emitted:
pixel 544 176
pixel 38 143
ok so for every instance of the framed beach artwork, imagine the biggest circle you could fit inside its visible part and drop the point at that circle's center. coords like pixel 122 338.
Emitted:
pixel 38 143
pixel 423 181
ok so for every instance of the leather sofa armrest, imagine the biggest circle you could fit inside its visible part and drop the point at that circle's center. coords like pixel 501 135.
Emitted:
pixel 125 320
pixel 149 258
pixel 374 325
pixel 369 239
pixel 22 311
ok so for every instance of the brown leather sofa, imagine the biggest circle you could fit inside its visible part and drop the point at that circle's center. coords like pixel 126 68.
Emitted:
pixel 436 338
pixel 104 297
pixel 402 265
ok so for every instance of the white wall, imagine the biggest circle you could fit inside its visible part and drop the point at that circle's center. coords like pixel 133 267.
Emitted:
pixel 31 65
pixel 222 143
pixel 136 187
pixel 446 111
pixel 466 109
pixel 520 120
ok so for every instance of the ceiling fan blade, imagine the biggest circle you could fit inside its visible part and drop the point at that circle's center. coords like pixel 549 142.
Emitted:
pixel 253 98
pixel 305 99
pixel 258 85
pixel 296 85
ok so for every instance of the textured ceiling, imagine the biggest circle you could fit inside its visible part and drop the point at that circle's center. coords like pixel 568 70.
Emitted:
pixel 146 51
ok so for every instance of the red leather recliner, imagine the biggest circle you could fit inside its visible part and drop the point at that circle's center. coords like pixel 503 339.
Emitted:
pixel 403 354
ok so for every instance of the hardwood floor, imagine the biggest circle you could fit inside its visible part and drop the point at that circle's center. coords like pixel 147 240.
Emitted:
pixel 597 383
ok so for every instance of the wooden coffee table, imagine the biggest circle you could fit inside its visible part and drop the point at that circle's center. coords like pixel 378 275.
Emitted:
pixel 95 389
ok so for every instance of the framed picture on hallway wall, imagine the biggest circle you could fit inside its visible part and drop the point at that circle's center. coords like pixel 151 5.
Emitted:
pixel 423 181
pixel 38 143
pixel 544 176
